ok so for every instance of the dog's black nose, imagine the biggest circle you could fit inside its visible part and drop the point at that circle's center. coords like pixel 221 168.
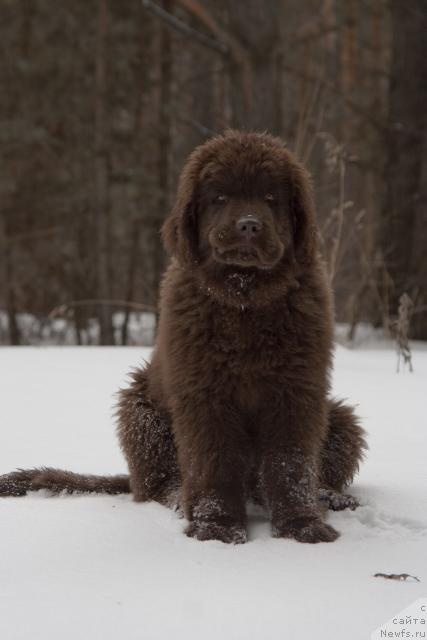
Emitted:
pixel 248 227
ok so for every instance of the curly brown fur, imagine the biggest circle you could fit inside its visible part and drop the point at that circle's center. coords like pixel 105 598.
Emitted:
pixel 241 368
pixel 234 404
pixel 344 448
pixel 147 442
pixel 18 483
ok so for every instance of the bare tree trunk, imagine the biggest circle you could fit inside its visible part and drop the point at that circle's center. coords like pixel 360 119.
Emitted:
pixel 102 224
pixel 406 140
pixel 165 143
pixel 255 72
pixel 9 281
pixel 133 257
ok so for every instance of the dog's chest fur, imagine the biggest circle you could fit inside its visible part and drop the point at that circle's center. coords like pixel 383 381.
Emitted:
pixel 251 349
pixel 244 353
pixel 245 334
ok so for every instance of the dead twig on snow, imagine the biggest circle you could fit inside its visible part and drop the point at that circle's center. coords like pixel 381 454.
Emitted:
pixel 396 576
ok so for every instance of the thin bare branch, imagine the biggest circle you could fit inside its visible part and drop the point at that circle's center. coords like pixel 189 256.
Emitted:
pixel 366 114
pixel 181 27
pixel 233 46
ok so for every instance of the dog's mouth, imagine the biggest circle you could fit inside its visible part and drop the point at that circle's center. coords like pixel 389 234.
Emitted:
pixel 245 255
pixel 242 256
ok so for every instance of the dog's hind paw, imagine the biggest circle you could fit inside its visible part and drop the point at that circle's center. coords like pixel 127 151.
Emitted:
pixel 305 529
pixel 337 501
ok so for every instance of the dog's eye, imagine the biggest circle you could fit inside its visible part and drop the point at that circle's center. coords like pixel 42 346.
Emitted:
pixel 220 198
pixel 269 197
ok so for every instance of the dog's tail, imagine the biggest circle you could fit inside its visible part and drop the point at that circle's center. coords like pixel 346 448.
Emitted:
pixel 344 448
pixel 19 482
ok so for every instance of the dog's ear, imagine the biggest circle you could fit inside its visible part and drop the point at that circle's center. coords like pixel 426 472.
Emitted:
pixel 179 231
pixel 303 214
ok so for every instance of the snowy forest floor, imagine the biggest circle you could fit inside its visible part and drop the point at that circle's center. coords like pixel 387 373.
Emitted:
pixel 104 567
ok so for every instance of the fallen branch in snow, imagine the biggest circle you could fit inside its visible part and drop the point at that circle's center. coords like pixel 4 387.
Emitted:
pixel 396 576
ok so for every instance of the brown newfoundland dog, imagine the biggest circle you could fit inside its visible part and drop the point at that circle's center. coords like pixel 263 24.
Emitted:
pixel 234 405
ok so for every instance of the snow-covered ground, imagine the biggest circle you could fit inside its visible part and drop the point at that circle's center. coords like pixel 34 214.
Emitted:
pixel 104 567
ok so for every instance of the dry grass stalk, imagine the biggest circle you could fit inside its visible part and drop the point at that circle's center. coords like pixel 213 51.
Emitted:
pixel 399 329
pixel 335 157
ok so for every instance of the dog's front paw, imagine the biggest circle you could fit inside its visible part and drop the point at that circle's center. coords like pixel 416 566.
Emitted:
pixel 205 530
pixel 306 529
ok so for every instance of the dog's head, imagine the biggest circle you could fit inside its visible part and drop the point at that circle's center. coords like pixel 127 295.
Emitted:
pixel 244 210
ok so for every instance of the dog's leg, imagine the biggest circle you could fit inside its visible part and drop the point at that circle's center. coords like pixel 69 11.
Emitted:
pixel 289 468
pixel 213 459
pixel 147 442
